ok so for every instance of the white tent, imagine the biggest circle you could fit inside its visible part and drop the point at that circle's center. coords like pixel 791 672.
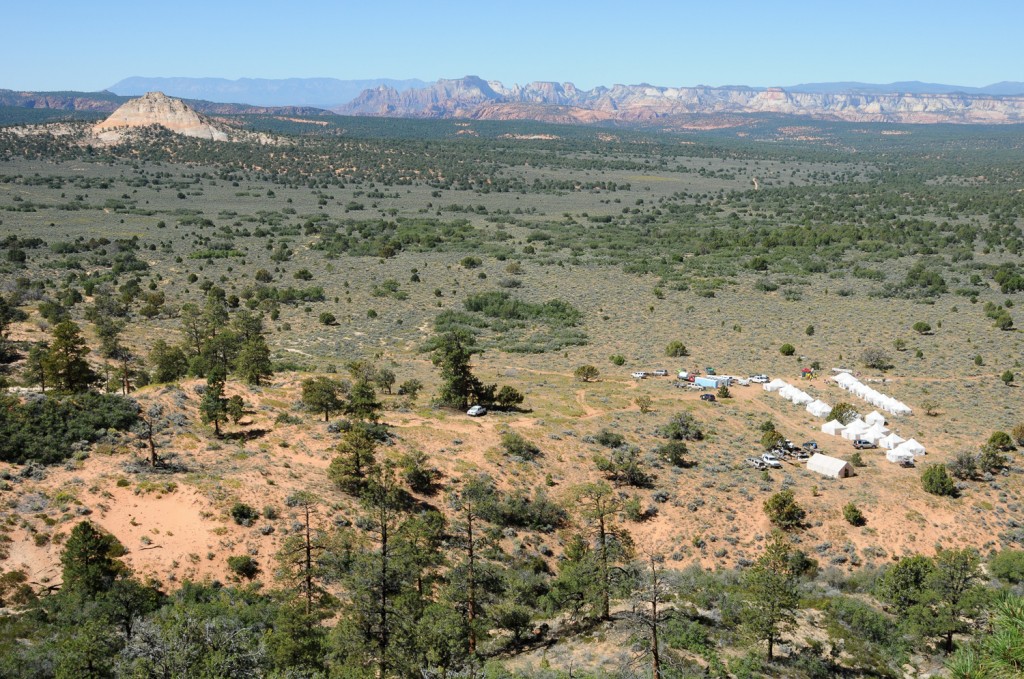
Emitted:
pixel 819 408
pixel 891 441
pixel 875 417
pixel 877 429
pixel 829 466
pixel 788 391
pixel 871 436
pixel 833 427
pixel 845 380
pixel 911 446
pixel 801 398
pixel 775 385
pixel 854 429
pixel 896 456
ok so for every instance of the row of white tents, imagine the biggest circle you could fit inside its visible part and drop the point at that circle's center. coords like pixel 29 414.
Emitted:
pixel 872 428
pixel 787 391
pixel 875 398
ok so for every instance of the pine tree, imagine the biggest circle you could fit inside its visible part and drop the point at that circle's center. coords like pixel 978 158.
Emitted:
pixel 90 560
pixel 362 402
pixel 65 361
pixel 771 594
pixel 307 556
pixel 322 395
pixel 452 353
pixel 380 579
pixel 253 363
pixel 355 460
pixel 214 406
pixel 598 505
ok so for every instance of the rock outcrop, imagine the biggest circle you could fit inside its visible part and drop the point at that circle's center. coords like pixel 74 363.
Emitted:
pixel 472 97
pixel 156 108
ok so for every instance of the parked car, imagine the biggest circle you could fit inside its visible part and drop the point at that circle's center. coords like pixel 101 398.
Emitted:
pixel 770 460
pixel 759 379
pixel 476 411
pixel 639 375
pixel 661 373
pixel 809 445
pixel 707 397
pixel 860 444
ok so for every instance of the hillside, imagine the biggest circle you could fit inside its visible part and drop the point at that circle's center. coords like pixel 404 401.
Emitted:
pixel 362 255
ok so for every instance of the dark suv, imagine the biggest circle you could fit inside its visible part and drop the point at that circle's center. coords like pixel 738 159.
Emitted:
pixel 707 397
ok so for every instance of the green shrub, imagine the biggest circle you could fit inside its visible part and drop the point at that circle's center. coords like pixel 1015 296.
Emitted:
pixel 682 427
pixel 844 412
pixel 937 482
pixel 516 444
pixel 610 439
pixel 634 510
pixel 772 439
pixel 49 429
pixel 1008 565
pixel 243 514
pixel 853 515
pixel 783 511
pixel 674 452
pixel 243 566
pixel 787 349
pixel 1000 440
pixel 617 359
pixel 675 349
pixel 327 318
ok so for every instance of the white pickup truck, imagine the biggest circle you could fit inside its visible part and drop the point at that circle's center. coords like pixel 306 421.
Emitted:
pixel 771 460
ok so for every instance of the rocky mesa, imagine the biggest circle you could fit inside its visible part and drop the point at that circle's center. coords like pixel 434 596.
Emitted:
pixel 156 108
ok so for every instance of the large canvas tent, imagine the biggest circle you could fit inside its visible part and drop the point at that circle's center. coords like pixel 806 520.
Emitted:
pixel 891 441
pixel 875 417
pixel 898 457
pixel 775 385
pixel 833 427
pixel 819 408
pixel 854 429
pixel 911 446
pixel 827 465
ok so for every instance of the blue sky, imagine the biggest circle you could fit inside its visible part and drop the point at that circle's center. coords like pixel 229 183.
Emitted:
pixel 90 46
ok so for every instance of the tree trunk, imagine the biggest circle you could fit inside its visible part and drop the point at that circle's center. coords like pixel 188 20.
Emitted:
pixel 471 587
pixel 655 658
pixel 771 644
pixel 309 567
pixel 605 584
pixel 153 459
pixel 384 637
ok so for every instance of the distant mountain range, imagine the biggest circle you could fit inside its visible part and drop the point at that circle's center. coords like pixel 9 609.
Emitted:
pixel 315 92
pixel 475 98
pixel 1004 88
